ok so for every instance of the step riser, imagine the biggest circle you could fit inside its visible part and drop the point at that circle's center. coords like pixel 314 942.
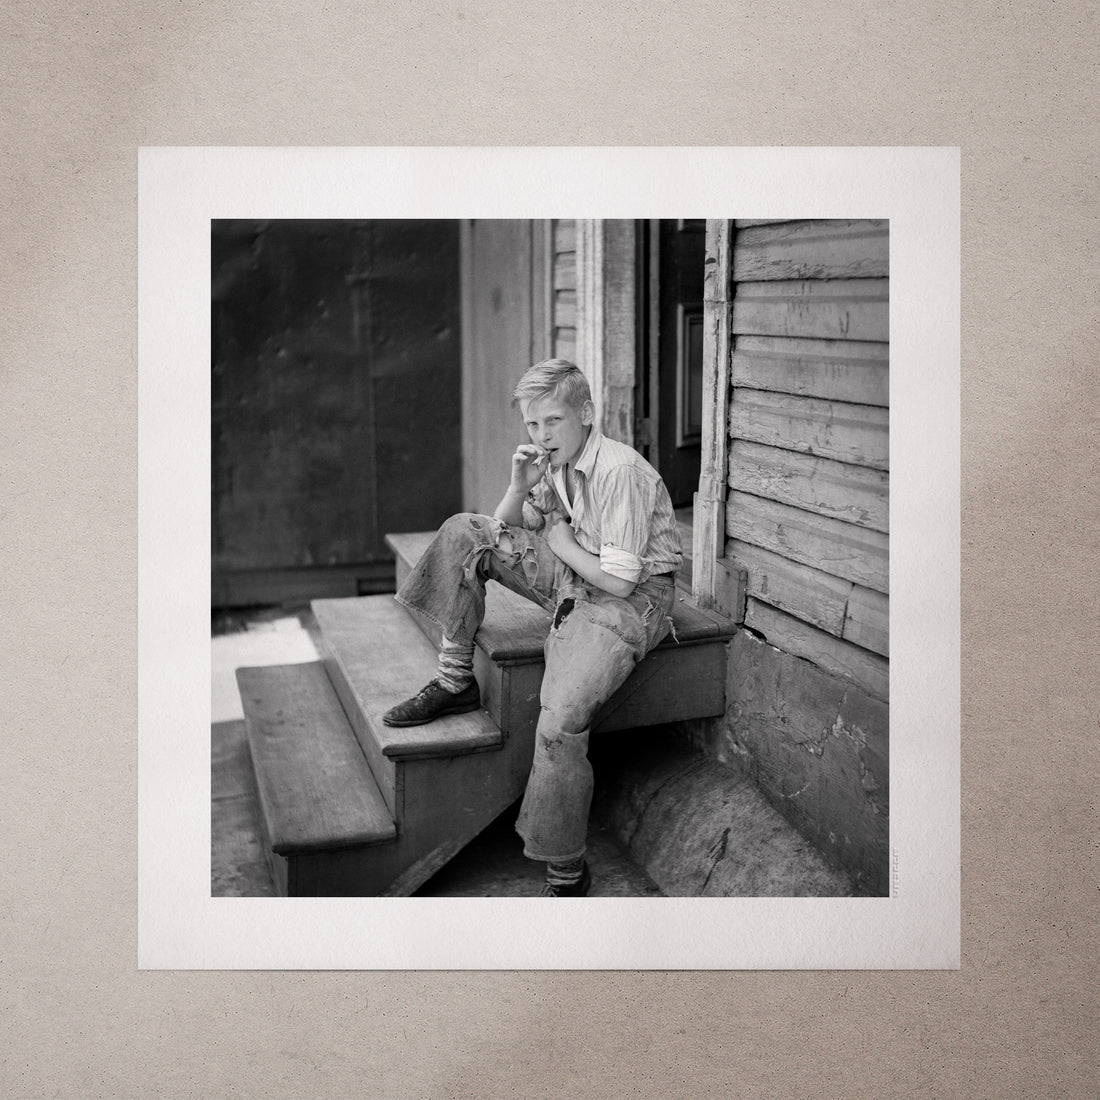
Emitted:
pixel 449 802
pixel 510 692
pixel 276 863
pixel 679 680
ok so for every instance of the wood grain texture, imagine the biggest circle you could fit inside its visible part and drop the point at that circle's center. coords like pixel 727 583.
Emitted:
pixel 832 249
pixel 498 341
pixel 824 309
pixel 708 537
pixel 376 652
pixel 867 622
pixel 718 269
pixel 316 790
pixel 842 549
pixel 729 599
pixel 855 494
pixel 837 370
pixel 809 594
pixel 868 671
pixel 857 434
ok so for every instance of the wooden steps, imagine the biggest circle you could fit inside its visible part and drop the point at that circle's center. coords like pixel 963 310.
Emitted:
pixel 353 807
pixel 315 790
pixel 437 785
pixel 376 657
pixel 684 677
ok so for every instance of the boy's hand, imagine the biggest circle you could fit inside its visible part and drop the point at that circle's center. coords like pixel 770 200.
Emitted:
pixel 528 464
pixel 559 533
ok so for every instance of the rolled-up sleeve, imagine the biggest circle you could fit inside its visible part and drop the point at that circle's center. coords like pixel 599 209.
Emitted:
pixel 625 522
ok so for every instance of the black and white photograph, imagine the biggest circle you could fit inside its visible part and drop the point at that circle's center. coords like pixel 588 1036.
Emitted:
pixel 415 407
pixel 549 557
pixel 547 551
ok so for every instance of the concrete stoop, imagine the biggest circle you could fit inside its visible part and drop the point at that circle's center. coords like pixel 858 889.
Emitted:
pixel 700 829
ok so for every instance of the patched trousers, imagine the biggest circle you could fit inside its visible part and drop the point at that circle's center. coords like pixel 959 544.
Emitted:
pixel 595 641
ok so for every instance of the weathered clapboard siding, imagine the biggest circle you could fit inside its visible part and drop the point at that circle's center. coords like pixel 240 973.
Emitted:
pixel 824 309
pixel 867 622
pixel 842 549
pixel 798 589
pixel 812 250
pixel 857 434
pixel 807 515
pixel 867 670
pixel 855 494
pixel 840 607
pixel 837 370
pixel 564 288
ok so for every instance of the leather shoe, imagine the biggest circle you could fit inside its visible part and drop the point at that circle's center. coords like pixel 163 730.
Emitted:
pixel 573 890
pixel 432 702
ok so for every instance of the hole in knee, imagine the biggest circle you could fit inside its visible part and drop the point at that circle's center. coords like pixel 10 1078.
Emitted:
pixel 563 610
pixel 550 746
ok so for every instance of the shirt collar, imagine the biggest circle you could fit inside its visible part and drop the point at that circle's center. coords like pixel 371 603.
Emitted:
pixel 587 458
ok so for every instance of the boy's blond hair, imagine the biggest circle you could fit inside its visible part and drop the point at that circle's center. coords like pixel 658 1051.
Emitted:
pixel 554 376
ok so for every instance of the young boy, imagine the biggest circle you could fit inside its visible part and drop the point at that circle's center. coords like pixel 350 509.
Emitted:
pixel 586 530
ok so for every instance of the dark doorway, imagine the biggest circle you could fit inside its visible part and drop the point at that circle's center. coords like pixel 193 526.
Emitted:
pixel 670 389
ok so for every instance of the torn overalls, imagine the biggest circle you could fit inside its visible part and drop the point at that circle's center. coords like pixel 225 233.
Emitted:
pixel 593 645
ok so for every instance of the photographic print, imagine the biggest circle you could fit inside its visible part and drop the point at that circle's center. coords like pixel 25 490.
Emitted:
pixel 549 558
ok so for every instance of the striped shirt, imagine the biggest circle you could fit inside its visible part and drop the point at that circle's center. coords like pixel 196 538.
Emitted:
pixel 621 509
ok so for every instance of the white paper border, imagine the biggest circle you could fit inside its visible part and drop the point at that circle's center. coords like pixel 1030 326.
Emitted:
pixel 180 925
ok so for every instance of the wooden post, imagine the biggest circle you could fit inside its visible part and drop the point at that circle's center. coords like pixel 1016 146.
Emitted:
pixel 709 535
pixel 606 321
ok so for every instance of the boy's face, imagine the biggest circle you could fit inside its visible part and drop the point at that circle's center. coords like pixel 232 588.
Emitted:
pixel 557 427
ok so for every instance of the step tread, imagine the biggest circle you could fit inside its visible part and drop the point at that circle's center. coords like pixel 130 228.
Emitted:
pixel 384 658
pixel 316 790
pixel 515 629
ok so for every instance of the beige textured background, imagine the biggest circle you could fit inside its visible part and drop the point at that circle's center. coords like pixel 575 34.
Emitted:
pixel 82 86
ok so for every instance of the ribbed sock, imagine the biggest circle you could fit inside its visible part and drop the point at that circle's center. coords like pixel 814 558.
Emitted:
pixel 565 874
pixel 456 666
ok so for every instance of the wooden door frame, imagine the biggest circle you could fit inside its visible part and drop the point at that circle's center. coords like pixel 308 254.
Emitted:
pixel 607 319
pixel 709 579
pixel 608 263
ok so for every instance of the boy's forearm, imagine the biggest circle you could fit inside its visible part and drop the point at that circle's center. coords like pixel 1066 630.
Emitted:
pixel 510 509
pixel 588 566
